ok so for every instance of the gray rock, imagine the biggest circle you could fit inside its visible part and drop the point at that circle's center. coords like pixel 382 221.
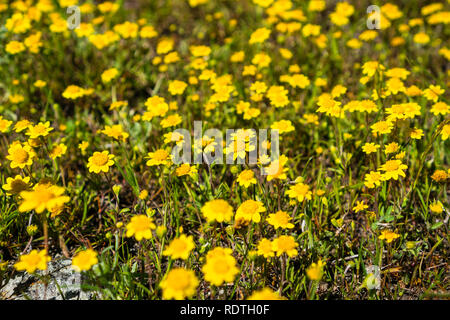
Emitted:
pixel 59 274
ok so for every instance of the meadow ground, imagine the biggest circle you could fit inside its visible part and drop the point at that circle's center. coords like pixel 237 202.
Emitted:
pixel 356 206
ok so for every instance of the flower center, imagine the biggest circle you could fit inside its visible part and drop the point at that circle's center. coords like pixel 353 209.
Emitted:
pixel 100 159
pixel 21 156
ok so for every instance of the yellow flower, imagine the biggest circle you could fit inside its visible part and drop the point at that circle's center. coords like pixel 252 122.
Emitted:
pixel 259 35
pixel 315 271
pixel 4 124
pixel 109 75
pixel 282 126
pixel 140 227
pixel 250 210
pixel 35 260
pixel 100 162
pixel 58 151
pixel 392 169
pixel 39 130
pixel 370 147
pixel 179 284
pixel 177 87
pixel 440 108
pixel 382 127
pixel 360 206
pixel 217 210
pixel 14 47
pixel 416 133
pixel 391 148
pixel 158 157
pixel 21 125
pixel 265 248
pixel 83 146
pixel 43 196
pixel 115 132
pixel 299 191
pixel 276 169
pixel 143 194
pixel 421 38
pixel 171 121
pixel 16 185
pixel 437 207
pixel 180 247
pixel 372 179
pixel 285 244
pixel 186 169
pixel 20 155
pixel 280 219
pixel 84 260
pixel 433 92
pixel 439 175
pixel 388 235
pixel 445 133
pixel 220 266
pixel 246 178
pixel 265 293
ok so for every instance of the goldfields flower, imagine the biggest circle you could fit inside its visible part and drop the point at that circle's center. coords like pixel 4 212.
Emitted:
pixel 35 260
pixel 439 175
pixel 171 121
pixel 100 162
pixel 360 206
pixel 180 248
pixel 370 147
pixel 250 210
pixel 440 108
pixel 84 260
pixel 4 124
pixel 217 210
pixel 416 134
pixel 265 293
pixel 186 169
pixel 179 284
pixel 285 244
pixel 16 185
pixel 315 271
pixel 280 219
pixel 21 125
pixel 20 155
pixel 58 151
pixel 220 266
pixel 299 191
pixel 283 126
pixel 158 157
pixel 140 227
pixel 382 127
pixel 43 196
pixel 109 75
pixel 177 87
pixel 388 235
pixel 445 133
pixel 14 47
pixel 277 169
pixel 116 132
pixel 372 179
pixel 39 130
pixel 392 169
pixel 259 35
pixel 265 248
pixel 437 207
pixel 246 178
